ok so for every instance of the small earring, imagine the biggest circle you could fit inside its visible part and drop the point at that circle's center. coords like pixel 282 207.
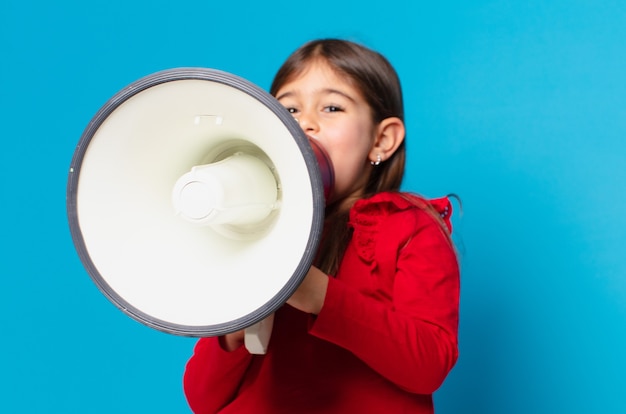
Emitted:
pixel 379 159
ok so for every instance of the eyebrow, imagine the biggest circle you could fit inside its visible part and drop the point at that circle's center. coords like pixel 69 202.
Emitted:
pixel 326 91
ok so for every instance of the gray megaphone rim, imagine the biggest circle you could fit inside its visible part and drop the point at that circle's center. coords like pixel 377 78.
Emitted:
pixel 296 132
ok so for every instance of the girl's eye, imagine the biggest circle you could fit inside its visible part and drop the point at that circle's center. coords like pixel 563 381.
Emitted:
pixel 292 110
pixel 332 108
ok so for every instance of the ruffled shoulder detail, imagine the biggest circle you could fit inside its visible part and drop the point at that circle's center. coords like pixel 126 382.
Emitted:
pixel 443 207
pixel 367 215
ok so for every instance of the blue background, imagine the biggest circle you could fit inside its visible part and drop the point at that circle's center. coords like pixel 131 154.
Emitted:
pixel 519 107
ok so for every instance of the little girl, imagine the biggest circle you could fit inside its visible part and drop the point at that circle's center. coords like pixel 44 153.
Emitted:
pixel 373 326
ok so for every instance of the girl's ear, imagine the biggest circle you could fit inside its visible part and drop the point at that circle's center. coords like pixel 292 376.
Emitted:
pixel 389 135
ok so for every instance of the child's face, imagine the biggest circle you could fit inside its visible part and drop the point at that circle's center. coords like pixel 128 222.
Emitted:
pixel 332 111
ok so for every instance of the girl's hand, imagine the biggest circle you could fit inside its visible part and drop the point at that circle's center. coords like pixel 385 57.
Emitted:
pixel 232 341
pixel 309 297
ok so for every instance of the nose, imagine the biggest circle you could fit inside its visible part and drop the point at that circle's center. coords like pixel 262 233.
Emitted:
pixel 307 121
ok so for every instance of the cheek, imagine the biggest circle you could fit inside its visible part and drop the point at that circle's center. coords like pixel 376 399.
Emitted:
pixel 348 149
pixel 348 145
pixel 350 171
pixel 345 159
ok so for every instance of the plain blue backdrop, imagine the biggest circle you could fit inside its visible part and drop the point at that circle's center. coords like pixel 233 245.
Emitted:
pixel 517 106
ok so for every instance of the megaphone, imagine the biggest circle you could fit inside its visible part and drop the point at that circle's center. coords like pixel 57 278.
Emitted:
pixel 196 202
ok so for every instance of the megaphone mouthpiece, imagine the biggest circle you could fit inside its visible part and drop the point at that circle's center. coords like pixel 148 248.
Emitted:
pixel 238 190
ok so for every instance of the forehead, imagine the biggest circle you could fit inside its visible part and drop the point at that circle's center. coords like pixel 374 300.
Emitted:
pixel 319 73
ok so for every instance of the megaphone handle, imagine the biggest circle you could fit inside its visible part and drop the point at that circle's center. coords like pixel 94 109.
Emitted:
pixel 257 336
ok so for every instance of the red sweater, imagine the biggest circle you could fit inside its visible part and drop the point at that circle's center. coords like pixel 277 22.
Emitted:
pixel 383 342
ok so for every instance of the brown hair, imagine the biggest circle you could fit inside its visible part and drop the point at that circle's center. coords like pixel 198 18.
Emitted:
pixel 372 74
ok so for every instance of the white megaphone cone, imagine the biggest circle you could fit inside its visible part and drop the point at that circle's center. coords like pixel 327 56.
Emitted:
pixel 196 202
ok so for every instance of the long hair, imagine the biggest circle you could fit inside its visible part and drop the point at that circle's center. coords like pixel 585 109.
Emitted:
pixel 376 79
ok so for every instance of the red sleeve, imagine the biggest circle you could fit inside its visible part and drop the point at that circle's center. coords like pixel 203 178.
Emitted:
pixel 212 375
pixel 410 337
